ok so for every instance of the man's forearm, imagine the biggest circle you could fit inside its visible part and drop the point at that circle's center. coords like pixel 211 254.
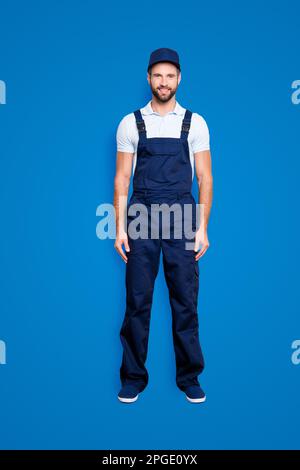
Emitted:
pixel 121 186
pixel 205 200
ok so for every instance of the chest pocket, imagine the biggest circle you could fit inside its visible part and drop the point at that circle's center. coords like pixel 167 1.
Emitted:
pixel 164 147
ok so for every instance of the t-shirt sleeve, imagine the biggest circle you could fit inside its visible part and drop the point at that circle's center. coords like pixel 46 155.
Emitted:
pixel 201 138
pixel 123 137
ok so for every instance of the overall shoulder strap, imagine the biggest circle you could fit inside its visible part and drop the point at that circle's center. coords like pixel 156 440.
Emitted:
pixel 186 122
pixel 140 123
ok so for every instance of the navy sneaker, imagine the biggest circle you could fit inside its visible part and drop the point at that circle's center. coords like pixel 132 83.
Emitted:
pixel 195 394
pixel 128 394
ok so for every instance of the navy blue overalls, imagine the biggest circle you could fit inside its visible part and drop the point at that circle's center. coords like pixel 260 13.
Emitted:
pixel 163 174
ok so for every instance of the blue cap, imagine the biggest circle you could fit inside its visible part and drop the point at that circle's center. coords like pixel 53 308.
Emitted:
pixel 164 55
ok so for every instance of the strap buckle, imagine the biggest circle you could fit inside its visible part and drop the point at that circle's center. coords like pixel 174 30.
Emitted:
pixel 185 127
pixel 141 126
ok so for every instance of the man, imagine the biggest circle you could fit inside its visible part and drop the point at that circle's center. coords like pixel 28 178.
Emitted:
pixel 161 144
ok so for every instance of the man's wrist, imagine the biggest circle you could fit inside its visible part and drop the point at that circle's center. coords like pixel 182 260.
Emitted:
pixel 121 233
pixel 203 227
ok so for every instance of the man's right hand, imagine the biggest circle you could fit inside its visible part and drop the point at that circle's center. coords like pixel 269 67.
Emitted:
pixel 120 241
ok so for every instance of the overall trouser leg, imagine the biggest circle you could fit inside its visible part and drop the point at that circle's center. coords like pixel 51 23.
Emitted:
pixel 182 277
pixel 141 271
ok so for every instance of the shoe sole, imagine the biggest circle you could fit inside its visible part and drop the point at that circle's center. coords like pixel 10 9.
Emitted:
pixel 196 400
pixel 128 400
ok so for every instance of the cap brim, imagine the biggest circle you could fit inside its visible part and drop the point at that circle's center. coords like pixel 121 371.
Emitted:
pixel 170 61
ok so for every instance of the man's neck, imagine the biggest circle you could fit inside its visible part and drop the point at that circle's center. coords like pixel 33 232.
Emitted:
pixel 163 108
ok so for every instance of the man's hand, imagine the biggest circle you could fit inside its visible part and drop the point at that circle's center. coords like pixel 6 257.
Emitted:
pixel 121 240
pixel 201 238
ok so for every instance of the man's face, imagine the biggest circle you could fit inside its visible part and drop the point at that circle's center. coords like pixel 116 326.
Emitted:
pixel 164 81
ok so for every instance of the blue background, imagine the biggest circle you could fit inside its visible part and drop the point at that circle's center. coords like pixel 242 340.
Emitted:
pixel 73 69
